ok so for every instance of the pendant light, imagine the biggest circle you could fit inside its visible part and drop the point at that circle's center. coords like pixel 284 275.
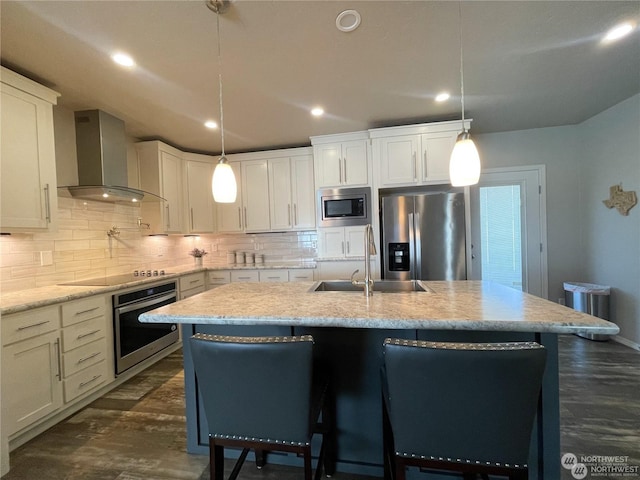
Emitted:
pixel 223 182
pixel 464 165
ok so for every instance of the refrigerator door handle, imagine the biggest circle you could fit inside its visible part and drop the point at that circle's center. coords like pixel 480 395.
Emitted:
pixel 418 246
pixel 412 248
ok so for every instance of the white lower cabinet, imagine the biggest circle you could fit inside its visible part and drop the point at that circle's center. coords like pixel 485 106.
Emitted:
pixel 51 356
pixel 301 275
pixel 341 242
pixel 217 278
pixel 84 346
pixel 245 276
pixel 191 285
pixel 273 275
pixel 31 367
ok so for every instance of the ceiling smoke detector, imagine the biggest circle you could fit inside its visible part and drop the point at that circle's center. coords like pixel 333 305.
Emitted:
pixel 348 21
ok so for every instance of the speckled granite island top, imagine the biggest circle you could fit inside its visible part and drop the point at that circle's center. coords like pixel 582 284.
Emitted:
pixel 459 305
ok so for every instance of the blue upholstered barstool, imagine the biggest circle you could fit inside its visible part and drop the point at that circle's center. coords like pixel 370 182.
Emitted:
pixel 460 407
pixel 261 393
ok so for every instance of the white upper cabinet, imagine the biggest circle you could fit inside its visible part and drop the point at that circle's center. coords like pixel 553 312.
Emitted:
pixel 161 174
pixel 291 193
pixel 414 155
pixel 280 194
pixel 341 160
pixel 255 196
pixel 275 192
pixel 198 194
pixel 29 199
pixel 250 211
pixel 302 192
pixel 229 215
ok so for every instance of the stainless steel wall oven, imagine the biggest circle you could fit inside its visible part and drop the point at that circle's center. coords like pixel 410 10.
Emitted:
pixel 136 341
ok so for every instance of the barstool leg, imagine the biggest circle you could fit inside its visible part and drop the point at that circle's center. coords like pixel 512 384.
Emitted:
pixel 260 458
pixel 308 473
pixel 400 470
pixel 216 461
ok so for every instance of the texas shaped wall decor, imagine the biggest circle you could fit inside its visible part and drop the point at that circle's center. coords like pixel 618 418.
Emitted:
pixel 621 200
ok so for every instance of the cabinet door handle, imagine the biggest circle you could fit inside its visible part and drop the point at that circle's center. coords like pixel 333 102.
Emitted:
pixel 239 218
pixel 425 170
pixel 88 334
pixel 295 214
pixel 245 218
pixel 86 311
pixel 191 218
pixel 88 357
pixel 32 325
pixel 168 217
pixel 95 377
pixel 340 170
pixel 289 213
pixel 348 248
pixel 57 345
pixel 344 167
pixel 47 203
pixel 415 170
pixel 343 247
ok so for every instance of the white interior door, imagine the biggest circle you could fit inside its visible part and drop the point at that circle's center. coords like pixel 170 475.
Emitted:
pixel 508 229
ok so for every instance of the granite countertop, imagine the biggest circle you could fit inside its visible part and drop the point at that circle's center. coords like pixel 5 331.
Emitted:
pixel 19 301
pixel 460 305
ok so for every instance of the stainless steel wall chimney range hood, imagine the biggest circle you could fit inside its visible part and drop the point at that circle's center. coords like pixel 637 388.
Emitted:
pixel 102 161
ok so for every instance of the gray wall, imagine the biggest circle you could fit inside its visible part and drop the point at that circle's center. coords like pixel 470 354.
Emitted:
pixel 556 149
pixel 586 241
pixel 611 241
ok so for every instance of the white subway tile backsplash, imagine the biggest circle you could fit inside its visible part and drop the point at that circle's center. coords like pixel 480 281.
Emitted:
pixel 81 248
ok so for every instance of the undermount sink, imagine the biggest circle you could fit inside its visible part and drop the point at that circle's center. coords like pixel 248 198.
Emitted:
pixel 382 286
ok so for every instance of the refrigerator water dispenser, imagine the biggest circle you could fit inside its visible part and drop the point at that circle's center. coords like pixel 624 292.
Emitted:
pixel 399 260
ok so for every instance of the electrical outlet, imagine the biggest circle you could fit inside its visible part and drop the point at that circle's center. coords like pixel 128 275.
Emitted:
pixel 46 258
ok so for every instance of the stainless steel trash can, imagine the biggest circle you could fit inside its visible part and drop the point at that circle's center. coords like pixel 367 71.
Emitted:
pixel 589 298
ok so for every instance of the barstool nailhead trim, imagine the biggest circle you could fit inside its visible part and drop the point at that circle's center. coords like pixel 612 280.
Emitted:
pixel 462 346
pixel 228 339
pixel 458 460
pixel 254 439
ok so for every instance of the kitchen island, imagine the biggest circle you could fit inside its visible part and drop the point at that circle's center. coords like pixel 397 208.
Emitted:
pixel 349 329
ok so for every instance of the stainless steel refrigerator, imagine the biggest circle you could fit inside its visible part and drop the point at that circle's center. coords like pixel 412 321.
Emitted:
pixel 423 237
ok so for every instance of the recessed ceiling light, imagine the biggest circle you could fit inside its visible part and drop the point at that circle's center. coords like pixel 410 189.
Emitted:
pixel 317 111
pixel 442 97
pixel 210 124
pixel 123 59
pixel 348 21
pixel 617 32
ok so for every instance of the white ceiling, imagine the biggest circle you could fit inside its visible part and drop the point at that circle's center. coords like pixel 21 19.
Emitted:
pixel 527 64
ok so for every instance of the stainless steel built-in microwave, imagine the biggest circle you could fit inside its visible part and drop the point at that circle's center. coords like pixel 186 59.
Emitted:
pixel 343 207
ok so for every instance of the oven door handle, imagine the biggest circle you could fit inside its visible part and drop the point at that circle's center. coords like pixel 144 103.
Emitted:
pixel 148 303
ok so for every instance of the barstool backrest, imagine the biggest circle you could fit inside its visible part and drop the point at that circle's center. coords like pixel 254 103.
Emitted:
pixel 463 401
pixel 255 387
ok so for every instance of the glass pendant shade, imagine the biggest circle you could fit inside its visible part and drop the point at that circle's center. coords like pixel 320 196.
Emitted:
pixel 464 166
pixel 223 183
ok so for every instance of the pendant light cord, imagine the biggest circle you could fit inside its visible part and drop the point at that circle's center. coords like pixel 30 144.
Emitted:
pixel 220 83
pixel 461 64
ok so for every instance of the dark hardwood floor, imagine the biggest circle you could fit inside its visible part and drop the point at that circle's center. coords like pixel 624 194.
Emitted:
pixel 137 431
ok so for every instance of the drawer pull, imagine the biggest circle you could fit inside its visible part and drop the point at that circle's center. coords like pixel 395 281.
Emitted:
pixel 274 278
pixel 244 278
pixel 95 377
pixel 82 360
pixel 93 332
pixel 87 311
pixel 194 281
pixel 33 325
